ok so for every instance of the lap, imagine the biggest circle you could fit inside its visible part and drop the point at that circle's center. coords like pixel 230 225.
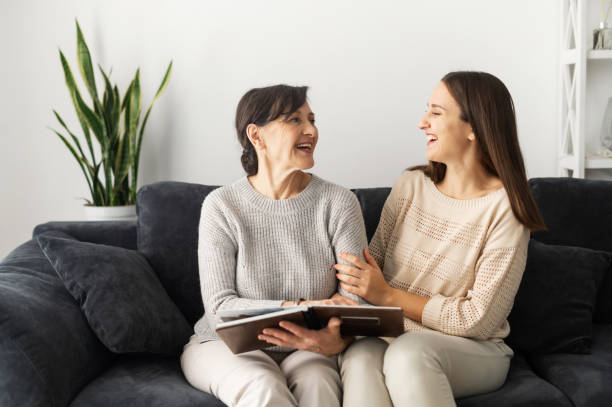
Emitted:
pixel 211 362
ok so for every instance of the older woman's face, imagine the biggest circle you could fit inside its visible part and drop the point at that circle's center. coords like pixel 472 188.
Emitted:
pixel 289 143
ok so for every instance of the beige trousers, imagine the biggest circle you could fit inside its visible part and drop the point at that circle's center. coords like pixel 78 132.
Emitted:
pixel 255 379
pixel 421 369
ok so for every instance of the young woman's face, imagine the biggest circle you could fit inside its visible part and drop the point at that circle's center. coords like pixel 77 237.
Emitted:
pixel 289 143
pixel 448 137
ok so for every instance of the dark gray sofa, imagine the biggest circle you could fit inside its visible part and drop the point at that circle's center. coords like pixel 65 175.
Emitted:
pixel 49 356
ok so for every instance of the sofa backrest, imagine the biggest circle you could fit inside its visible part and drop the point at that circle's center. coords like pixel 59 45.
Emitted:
pixel 576 213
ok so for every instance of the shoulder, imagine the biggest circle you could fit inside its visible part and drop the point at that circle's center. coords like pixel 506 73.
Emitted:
pixel 407 183
pixel 224 197
pixel 334 194
pixel 504 228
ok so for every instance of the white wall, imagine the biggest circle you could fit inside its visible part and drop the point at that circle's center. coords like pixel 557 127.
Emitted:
pixel 370 64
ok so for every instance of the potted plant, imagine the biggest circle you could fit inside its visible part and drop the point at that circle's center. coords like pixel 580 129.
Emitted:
pixel 115 124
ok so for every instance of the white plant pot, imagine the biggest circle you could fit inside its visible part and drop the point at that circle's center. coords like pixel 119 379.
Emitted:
pixel 127 212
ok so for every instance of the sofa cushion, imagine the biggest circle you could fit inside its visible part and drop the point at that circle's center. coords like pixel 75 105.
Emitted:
pixel 143 381
pixel 371 201
pixel 585 379
pixel 574 211
pixel 168 220
pixel 522 388
pixel 120 295
pixel 47 350
pixel 120 233
pixel 553 309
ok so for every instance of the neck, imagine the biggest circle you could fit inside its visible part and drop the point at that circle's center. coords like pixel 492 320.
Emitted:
pixel 279 184
pixel 468 180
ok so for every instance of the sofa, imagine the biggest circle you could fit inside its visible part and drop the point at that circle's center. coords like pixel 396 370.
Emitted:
pixel 64 343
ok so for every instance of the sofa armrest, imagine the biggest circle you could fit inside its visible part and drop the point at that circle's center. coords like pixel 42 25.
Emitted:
pixel 113 233
pixel 48 352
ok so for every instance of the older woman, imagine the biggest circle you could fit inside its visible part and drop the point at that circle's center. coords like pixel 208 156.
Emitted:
pixel 450 249
pixel 271 239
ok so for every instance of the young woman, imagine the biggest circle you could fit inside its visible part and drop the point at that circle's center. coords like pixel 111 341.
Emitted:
pixel 450 249
pixel 269 240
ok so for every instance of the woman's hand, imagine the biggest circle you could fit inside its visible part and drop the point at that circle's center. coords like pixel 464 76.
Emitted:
pixel 342 300
pixel 336 299
pixel 363 279
pixel 326 341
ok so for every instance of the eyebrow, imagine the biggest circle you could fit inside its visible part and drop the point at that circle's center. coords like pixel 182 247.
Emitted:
pixel 441 107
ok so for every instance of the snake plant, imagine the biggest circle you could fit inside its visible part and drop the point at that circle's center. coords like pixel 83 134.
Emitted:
pixel 114 122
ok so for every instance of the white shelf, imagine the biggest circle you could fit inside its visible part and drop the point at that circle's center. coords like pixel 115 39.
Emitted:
pixel 598 162
pixel 599 54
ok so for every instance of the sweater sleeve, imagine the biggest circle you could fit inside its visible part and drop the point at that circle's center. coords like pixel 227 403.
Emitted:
pixel 386 224
pixel 217 251
pixel 348 234
pixel 486 306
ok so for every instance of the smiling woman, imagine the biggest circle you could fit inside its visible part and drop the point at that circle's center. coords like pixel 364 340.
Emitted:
pixel 450 249
pixel 269 240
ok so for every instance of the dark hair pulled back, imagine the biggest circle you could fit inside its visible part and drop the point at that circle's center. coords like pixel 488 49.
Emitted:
pixel 260 106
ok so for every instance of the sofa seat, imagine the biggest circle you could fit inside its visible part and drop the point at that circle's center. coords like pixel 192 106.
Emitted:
pixel 143 380
pixel 522 388
pixel 585 379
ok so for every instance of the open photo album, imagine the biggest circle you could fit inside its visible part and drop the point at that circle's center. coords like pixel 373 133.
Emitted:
pixel 239 328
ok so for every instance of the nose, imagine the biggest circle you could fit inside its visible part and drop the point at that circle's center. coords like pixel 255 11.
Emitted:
pixel 310 130
pixel 423 123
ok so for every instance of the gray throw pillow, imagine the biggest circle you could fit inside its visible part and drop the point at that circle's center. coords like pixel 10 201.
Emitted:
pixel 120 295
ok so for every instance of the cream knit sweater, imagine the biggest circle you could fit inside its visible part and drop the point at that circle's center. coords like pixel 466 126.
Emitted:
pixel 467 256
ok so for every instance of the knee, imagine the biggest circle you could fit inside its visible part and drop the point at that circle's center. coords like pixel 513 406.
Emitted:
pixel 312 374
pixel 410 351
pixel 364 354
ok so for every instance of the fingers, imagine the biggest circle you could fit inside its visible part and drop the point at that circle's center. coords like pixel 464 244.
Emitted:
pixel 348 279
pixel 371 261
pixel 352 289
pixel 353 259
pixel 345 268
pixel 295 329
pixel 341 300
pixel 334 323
pixel 280 337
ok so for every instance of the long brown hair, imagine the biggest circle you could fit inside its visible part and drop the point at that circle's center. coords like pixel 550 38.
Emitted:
pixel 487 106
pixel 260 106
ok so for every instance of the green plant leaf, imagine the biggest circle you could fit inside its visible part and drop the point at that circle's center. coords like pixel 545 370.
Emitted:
pixel 109 103
pixel 79 160
pixel 161 88
pixel 72 90
pixel 74 138
pixel 85 66
pixel 95 123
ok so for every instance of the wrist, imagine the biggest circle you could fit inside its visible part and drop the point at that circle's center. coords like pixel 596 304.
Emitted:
pixel 390 297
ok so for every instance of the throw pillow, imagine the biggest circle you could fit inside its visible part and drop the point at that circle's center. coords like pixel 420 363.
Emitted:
pixel 120 295
pixel 553 309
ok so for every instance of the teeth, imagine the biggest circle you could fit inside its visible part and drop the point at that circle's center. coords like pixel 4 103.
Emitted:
pixel 309 145
pixel 430 138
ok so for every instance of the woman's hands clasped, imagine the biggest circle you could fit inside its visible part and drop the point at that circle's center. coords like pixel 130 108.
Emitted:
pixel 364 279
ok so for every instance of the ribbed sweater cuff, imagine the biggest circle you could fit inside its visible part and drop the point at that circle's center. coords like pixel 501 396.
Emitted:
pixel 433 311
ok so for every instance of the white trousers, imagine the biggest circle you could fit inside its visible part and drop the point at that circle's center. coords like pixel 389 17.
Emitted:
pixel 255 379
pixel 421 369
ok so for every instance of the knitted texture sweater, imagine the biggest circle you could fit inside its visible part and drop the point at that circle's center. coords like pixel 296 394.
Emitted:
pixel 256 252
pixel 466 256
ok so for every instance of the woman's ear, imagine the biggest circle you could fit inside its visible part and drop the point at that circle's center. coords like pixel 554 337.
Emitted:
pixel 254 134
pixel 471 136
